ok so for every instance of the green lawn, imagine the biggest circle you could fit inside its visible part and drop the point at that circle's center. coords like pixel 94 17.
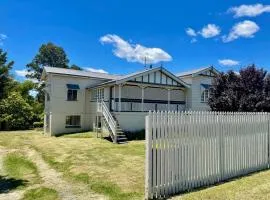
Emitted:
pixel 117 171
pixel 18 167
pixel 41 193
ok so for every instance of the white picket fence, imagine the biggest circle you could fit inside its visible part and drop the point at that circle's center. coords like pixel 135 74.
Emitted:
pixel 185 150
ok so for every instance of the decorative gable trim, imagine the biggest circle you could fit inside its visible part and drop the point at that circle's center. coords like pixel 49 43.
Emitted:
pixel 158 76
pixel 210 72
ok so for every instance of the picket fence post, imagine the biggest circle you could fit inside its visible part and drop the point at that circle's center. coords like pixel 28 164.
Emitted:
pixel 148 157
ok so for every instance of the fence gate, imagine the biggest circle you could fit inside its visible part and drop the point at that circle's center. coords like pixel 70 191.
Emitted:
pixel 185 150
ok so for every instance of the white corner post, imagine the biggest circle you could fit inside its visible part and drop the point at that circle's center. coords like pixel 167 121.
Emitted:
pixel 114 103
pixel 50 119
pixel 119 98
pixel 45 124
pixel 142 104
pixel 169 99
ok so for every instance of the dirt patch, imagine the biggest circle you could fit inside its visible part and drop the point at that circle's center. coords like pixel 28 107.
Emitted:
pixel 53 179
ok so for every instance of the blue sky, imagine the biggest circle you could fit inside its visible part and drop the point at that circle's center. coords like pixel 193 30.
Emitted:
pixel 115 36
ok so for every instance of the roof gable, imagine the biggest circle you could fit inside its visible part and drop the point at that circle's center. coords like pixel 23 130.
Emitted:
pixel 157 75
pixel 206 71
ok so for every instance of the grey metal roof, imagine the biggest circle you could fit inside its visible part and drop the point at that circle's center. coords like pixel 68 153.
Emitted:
pixel 197 71
pixel 73 72
pixel 191 71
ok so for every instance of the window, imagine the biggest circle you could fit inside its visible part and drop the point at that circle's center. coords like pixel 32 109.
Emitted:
pixel 72 92
pixel 72 95
pixel 73 121
pixel 205 96
pixel 97 94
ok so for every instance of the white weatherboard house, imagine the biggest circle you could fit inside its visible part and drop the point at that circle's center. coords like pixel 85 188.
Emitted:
pixel 80 100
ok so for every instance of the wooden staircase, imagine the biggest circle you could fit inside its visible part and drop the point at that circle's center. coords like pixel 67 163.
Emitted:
pixel 112 124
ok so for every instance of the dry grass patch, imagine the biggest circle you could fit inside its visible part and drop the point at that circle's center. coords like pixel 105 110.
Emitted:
pixel 114 170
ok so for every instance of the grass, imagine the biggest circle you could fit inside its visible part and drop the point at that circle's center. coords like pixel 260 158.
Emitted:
pixel 117 171
pixel 41 193
pixel 79 135
pixel 18 167
pixel 253 186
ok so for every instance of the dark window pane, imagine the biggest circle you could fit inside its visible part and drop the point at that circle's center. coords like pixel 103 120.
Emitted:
pixel 74 120
pixel 72 95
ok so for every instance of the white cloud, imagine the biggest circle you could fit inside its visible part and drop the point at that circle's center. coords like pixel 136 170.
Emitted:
pixel 245 29
pixel 228 62
pixel 191 32
pixel 210 30
pixel 135 52
pixel 249 10
pixel 95 70
pixel 2 38
pixel 21 73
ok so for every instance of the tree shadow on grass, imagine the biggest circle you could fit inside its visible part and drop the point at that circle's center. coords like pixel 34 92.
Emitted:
pixel 7 184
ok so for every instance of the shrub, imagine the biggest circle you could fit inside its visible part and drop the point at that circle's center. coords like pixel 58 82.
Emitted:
pixel 38 124
pixel 15 112
pixel 138 135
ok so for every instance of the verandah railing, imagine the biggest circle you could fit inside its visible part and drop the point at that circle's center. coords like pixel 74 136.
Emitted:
pixel 135 105
pixel 185 150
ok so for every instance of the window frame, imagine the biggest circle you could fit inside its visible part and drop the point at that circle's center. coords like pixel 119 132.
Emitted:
pixel 73 122
pixel 205 95
pixel 97 94
pixel 73 96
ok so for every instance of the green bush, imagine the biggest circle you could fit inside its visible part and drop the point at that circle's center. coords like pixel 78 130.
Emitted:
pixel 138 135
pixel 38 124
pixel 15 112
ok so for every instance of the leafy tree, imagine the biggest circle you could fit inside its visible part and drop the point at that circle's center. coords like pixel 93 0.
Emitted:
pixel 15 112
pixel 245 91
pixel 252 86
pixel 24 88
pixel 225 92
pixel 265 104
pixel 76 67
pixel 49 55
pixel 5 79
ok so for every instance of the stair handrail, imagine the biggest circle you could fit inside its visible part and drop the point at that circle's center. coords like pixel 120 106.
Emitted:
pixel 109 118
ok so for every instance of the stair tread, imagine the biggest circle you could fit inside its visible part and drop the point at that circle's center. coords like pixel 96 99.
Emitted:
pixel 122 142
pixel 120 137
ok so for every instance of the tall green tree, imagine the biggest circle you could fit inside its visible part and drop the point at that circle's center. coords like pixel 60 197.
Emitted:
pixel 48 55
pixel 5 77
